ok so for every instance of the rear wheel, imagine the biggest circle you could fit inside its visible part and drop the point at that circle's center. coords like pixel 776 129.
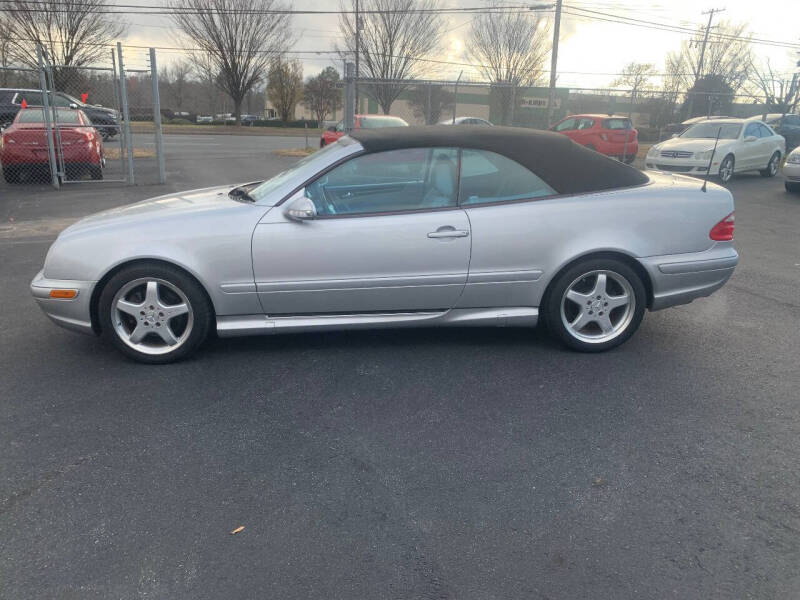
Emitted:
pixel 726 168
pixel 595 305
pixel 154 313
pixel 96 172
pixel 772 166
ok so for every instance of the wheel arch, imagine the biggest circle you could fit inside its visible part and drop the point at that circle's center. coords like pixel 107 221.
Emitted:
pixel 628 259
pixel 101 284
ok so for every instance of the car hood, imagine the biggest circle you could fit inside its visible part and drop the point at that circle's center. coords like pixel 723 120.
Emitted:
pixel 175 207
pixel 692 145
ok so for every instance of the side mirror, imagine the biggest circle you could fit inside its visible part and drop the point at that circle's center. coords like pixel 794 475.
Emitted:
pixel 300 208
pixel 750 138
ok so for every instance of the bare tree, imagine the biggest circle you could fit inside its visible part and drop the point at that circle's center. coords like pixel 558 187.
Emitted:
pixel 781 94
pixel 510 50
pixel 321 94
pixel 636 77
pixel 74 34
pixel 179 74
pixel 5 48
pixel 394 35
pixel 239 39
pixel 285 87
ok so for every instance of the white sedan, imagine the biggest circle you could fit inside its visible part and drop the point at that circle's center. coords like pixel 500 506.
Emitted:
pixel 791 170
pixel 744 145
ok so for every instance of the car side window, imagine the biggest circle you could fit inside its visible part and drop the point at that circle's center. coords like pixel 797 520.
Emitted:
pixel 32 98
pixel 764 131
pixel 751 129
pixel 59 100
pixel 387 182
pixel 792 120
pixel 490 177
pixel 585 124
pixel 566 125
pixel 340 126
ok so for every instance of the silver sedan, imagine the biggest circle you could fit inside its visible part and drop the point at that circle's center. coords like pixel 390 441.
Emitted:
pixel 394 228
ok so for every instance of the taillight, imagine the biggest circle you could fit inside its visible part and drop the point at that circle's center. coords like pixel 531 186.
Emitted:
pixel 723 231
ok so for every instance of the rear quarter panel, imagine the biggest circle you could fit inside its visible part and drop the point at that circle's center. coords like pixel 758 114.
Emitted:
pixel 536 239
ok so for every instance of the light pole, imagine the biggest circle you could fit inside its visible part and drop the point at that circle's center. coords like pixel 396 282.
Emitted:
pixel 551 96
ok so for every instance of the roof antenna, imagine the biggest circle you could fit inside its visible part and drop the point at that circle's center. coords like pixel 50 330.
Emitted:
pixel 713 152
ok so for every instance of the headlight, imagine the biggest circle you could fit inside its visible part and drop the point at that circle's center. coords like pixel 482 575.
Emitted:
pixel 704 155
pixel 654 150
pixel 794 158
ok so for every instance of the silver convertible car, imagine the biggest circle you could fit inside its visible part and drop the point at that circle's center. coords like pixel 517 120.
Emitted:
pixel 398 227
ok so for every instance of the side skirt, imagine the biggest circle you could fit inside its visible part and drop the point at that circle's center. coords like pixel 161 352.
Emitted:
pixel 488 317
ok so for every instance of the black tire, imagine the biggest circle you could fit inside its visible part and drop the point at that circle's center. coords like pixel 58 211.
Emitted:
pixel 202 314
pixel 322 143
pixel 96 172
pixel 628 323
pixel 11 176
pixel 792 187
pixel 772 166
pixel 726 175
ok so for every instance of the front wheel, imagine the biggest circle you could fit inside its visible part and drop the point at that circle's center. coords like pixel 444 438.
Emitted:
pixel 154 313
pixel 595 305
pixel 772 166
pixel 726 169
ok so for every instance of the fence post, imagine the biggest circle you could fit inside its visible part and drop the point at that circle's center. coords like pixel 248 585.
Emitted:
pixel 349 97
pixel 47 125
pixel 162 173
pixel 123 92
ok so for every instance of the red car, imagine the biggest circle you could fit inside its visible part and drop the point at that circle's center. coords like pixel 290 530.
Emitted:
pixel 23 146
pixel 332 134
pixel 613 136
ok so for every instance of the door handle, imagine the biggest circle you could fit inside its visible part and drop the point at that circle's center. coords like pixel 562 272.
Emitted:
pixel 448 232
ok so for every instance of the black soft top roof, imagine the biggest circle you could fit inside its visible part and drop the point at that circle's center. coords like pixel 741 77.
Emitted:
pixel 564 165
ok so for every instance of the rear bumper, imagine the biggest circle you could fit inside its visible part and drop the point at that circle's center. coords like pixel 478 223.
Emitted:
pixel 72 314
pixel 680 278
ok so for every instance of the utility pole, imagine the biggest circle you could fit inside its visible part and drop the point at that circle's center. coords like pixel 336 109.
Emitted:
pixel 699 72
pixel 551 97
pixel 358 47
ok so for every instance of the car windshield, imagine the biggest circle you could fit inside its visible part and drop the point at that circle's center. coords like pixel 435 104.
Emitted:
pixel 727 131
pixel 34 115
pixel 378 122
pixel 319 158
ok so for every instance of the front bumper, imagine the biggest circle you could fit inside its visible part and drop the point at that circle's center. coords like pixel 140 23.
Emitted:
pixel 74 313
pixel 681 278
pixel 688 166
pixel 792 172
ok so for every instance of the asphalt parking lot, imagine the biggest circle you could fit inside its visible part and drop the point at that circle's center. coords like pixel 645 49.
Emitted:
pixel 474 463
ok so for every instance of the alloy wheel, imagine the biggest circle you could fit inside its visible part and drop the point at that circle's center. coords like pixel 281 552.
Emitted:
pixel 598 306
pixel 152 316
pixel 726 170
pixel 773 165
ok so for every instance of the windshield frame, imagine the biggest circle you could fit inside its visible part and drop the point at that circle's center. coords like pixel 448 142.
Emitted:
pixel 713 127
pixel 276 189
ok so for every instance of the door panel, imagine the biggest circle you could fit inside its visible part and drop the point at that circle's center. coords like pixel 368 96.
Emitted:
pixel 394 262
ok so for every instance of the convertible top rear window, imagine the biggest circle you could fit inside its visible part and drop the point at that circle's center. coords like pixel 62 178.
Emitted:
pixel 563 165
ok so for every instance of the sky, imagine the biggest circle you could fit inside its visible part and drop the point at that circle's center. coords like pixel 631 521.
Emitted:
pixel 591 51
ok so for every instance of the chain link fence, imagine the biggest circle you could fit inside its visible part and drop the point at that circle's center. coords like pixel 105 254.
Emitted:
pixel 64 124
